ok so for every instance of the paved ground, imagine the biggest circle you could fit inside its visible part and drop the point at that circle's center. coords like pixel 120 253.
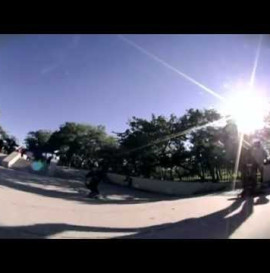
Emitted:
pixel 33 206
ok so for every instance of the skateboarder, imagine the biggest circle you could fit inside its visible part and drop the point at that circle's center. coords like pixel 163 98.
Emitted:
pixel 249 168
pixel 93 178
pixel 259 154
pixel 128 170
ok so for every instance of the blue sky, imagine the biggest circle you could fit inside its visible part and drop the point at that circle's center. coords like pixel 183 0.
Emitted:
pixel 46 80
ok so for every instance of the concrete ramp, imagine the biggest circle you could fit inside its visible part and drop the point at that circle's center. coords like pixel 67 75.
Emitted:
pixel 11 159
pixel 22 165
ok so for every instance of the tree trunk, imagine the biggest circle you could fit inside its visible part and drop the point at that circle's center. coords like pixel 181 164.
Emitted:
pixel 171 174
pixel 217 175
pixel 203 174
pixel 179 174
pixel 202 177
pixel 212 173
pixel 220 174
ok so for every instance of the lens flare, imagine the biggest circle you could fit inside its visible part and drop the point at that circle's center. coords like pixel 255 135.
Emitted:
pixel 248 109
pixel 246 102
pixel 170 67
pixel 37 165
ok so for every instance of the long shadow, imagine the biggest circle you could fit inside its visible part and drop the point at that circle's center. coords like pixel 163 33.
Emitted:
pixel 46 230
pixel 17 180
pixel 218 225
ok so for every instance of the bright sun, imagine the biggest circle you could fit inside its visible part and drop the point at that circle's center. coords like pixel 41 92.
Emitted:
pixel 248 109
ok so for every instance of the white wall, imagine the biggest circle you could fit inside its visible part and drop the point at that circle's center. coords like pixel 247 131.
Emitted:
pixel 168 187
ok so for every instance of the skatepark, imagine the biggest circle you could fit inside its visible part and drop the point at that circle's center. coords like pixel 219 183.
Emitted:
pixel 40 206
pixel 134 137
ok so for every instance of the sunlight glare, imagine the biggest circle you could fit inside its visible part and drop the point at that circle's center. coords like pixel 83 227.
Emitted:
pixel 248 109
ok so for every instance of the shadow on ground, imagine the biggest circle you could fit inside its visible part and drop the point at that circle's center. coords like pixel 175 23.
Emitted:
pixel 218 225
pixel 75 190
pixel 45 230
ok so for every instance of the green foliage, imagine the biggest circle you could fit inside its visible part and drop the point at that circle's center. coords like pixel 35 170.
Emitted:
pixel 183 146
pixel 8 143
pixel 166 148
pixel 149 144
pixel 37 142
pixel 81 144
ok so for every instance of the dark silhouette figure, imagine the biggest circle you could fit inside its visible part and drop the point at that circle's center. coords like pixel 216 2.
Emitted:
pixel 249 173
pixel 128 171
pixel 93 179
pixel 49 160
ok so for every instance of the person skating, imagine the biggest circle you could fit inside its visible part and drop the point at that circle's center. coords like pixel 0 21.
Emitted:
pixel 249 173
pixel 93 179
pixel 128 170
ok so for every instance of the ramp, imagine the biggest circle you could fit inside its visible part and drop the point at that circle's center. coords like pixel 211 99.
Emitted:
pixel 22 165
pixel 11 159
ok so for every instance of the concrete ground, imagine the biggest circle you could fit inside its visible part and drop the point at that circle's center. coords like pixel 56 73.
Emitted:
pixel 33 206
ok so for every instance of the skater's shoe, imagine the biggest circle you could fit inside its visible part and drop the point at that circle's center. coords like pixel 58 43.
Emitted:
pixel 90 195
pixel 93 195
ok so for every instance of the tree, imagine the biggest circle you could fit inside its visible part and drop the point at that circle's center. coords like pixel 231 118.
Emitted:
pixel 193 144
pixel 80 144
pixel 189 145
pixel 10 144
pixel 147 145
pixel 3 136
pixel 213 147
pixel 37 142
pixel 205 153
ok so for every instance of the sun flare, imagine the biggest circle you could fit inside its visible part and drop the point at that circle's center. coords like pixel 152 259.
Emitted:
pixel 248 109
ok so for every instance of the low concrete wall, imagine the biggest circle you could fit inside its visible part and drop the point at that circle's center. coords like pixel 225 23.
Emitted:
pixel 11 159
pixel 69 173
pixel 117 179
pixel 168 187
